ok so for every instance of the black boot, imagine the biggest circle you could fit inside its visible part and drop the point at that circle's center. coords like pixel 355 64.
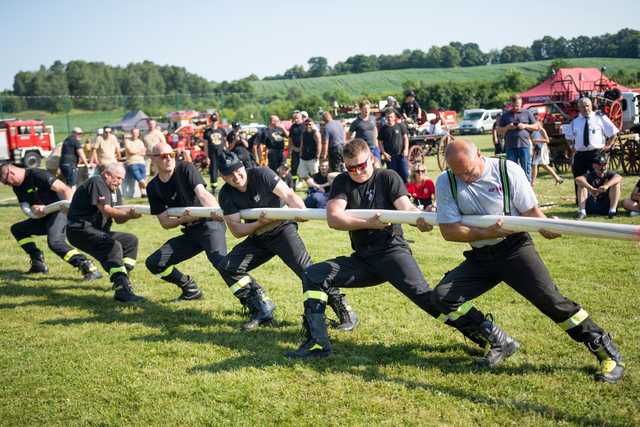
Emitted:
pixel 190 290
pixel 347 318
pixel 89 270
pixel 123 290
pixel 316 343
pixel 498 345
pixel 260 309
pixel 611 363
pixel 38 265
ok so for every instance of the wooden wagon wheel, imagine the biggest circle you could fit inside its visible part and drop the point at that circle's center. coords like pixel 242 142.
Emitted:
pixel 615 114
pixel 630 157
pixel 615 155
pixel 442 162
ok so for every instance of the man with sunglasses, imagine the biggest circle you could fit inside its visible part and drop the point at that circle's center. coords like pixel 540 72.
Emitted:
pixel 598 190
pixel 381 254
pixel 177 186
pixel 36 188
pixel 92 211
pixel 262 188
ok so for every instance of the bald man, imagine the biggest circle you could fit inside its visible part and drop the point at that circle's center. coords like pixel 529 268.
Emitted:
pixel 93 209
pixel 273 139
pixel 178 186
pixel 476 185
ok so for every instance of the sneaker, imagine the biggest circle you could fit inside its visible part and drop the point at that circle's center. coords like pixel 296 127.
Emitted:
pixel 634 213
pixel 612 214
pixel 580 215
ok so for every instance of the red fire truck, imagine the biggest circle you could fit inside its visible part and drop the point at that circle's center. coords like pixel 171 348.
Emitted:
pixel 25 142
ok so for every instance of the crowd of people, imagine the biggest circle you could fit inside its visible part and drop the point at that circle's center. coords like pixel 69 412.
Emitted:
pixel 341 169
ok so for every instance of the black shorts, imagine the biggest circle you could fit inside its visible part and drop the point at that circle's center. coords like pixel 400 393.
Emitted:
pixel 599 206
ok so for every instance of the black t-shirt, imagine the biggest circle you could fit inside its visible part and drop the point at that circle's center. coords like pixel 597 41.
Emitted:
pixel 410 109
pixel 259 194
pixel 231 137
pixel 178 192
pixel 69 151
pixel 391 137
pixel 596 181
pixel 90 194
pixel 273 139
pixel 295 134
pixel 320 179
pixel 215 140
pixel 310 147
pixel 365 129
pixel 36 188
pixel 383 188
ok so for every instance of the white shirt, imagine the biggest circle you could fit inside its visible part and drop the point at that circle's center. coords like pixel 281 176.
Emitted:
pixel 600 129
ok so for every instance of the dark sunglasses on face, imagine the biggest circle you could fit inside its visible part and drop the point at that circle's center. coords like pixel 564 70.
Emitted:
pixel 356 168
pixel 420 171
pixel 164 156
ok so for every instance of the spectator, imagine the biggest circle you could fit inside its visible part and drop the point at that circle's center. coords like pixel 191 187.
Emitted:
pixel 394 145
pixel 239 144
pixel 319 187
pixel 515 125
pixel 70 154
pixel 215 139
pixel 598 190
pixel 498 137
pixel 421 188
pixel 284 173
pixel 134 152
pixel 272 138
pixel 632 204
pixel 309 150
pixel 106 150
pixel 540 139
pixel 153 137
pixel 333 142
pixel 295 140
pixel 364 127
pixel 410 108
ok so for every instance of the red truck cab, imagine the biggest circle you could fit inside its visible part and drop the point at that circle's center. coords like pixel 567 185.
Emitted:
pixel 25 142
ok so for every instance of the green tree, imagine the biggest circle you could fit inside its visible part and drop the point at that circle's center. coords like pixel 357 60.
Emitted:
pixel 318 66
pixel 450 57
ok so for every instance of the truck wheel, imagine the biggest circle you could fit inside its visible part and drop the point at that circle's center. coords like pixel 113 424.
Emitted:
pixel 31 160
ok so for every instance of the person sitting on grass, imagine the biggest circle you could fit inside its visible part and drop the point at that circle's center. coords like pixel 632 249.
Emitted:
pixel 632 204
pixel 421 188
pixel 284 172
pixel 319 186
pixel 598 190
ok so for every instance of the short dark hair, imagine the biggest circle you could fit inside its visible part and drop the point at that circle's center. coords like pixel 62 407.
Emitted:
pixel 516 97
pixel 354 147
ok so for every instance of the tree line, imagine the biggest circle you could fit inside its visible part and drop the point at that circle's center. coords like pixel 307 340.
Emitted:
pixel 623 44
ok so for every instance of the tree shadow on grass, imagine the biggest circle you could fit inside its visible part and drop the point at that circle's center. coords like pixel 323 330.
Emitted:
pixel 265 348
pixel 13 274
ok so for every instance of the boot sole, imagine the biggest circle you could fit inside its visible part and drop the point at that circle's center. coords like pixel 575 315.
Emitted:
pixel 314 355
pixel 512 349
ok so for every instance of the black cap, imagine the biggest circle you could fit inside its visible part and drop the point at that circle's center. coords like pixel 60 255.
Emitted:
pixel 235 125
pixel 410 93
pixel 602 159
pixel 228 162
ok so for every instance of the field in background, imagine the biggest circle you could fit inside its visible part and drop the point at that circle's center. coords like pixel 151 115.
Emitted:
pixel 71 355
pixel 390 81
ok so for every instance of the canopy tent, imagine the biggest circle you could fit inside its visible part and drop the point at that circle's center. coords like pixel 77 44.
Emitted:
pixel 567 83
pixel 130 120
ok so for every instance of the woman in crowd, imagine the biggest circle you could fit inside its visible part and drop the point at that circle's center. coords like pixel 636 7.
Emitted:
pixel 421 188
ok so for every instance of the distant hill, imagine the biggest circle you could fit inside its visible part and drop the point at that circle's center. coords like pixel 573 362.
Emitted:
pixel 391 80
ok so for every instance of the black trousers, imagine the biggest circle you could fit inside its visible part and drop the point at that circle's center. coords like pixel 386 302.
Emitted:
pixel 251 253
pixel 295 162
pixel 53 226
pixel 275 158
pixel 395 265
pixel 208 236
pixel 115 251
pixel 516 262
pixel 583 163
pixel 213 169
pixel 336 161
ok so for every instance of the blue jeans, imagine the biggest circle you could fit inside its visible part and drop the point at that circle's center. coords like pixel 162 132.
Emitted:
pixel 400 164
pixel 70 173
pixel 521 156
pixel 316 199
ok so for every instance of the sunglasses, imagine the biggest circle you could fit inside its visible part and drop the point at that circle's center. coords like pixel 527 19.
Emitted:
pixel 165 156
pixel 357 168
pixel 420 171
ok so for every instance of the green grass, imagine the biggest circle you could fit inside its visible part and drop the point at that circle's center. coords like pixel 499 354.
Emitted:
pixel 87 120
pixel 389 81
pixel 71 355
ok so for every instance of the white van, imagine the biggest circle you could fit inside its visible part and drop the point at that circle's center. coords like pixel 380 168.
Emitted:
pixel 478 120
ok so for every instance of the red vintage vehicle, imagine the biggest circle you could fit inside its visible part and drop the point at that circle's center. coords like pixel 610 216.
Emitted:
pixel 25 142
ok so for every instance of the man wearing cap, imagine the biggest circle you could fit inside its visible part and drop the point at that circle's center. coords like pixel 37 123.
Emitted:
pixel 598 190
pixel 410 109
pixel 215 138
pixel 179 186
pixel 106 150
pixel 238 143
pixel 273 139
pixel 476 185
pixel 295 140
pixel 93 209
pixel 380 254
pixel 592 133
pixel 154 136
pixel 260 187
pixel 333 136
pixel 309 150
pixel 70 154
pixel 36 188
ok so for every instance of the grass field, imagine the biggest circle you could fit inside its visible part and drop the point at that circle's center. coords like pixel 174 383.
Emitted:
pixel 391 80
pixel 71 355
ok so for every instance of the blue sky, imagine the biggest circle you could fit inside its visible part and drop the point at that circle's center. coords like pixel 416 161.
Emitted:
pixel 232 39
